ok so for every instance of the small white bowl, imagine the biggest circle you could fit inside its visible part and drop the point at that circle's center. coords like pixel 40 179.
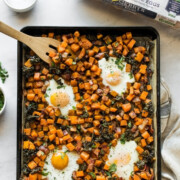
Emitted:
pixel 2 110
pixel 17 6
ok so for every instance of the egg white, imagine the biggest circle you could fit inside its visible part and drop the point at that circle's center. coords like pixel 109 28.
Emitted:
pixel 119 153
pixel 66 173
pixel 53 88
pixel 109 66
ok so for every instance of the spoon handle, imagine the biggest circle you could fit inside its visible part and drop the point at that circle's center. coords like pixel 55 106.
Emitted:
pixel 5 29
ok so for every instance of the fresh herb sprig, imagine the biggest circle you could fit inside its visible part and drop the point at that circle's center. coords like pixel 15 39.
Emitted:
pixel 3 74
pixel 1 100
pixel 119 62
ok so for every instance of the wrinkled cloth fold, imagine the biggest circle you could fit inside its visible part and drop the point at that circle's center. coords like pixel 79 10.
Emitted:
pixel 170 136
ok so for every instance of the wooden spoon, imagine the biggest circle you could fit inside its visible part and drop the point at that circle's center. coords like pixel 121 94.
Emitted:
pixel 40 45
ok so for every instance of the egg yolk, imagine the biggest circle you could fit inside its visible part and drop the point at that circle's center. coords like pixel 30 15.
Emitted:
pixel 59 160
pixel 113 78
pixel 59 99
pixel 124 159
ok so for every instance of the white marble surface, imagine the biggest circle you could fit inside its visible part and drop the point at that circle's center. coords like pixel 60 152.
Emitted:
pixel 70 13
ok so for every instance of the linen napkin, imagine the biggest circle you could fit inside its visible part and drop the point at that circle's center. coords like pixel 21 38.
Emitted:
pixel 170 136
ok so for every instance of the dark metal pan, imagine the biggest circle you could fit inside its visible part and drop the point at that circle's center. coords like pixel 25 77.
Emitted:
pixel 138 32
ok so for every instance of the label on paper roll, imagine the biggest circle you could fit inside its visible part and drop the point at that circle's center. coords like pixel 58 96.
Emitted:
pixel 165 11
pixel 173 6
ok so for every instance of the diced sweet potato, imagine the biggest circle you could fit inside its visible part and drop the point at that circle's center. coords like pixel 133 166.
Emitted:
pixel 75 47
pixel 32 165
pixel 126 107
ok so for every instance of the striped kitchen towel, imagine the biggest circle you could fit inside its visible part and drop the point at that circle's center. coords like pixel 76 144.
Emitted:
pixel 170 136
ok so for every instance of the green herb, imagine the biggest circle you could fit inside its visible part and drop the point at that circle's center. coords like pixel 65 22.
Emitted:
pixel 130 75
pixel 45 144
pixel 116 44
pixel 66 151
pixel 121 67
pixel 1 100
pixel 110 144
pixel 42 153
pixel 130 124
pixel 63 155
pixel 123 139
pixel 46 162
pixel 46 95
pixel 132 173
pixel 73 63
pixel 81 98
pixel 63 172
pixel 79 127
pixel 74 107
pixel 113 168
pixel 102 151
pixel 55 178
pixel 42 78
pixel 119 62
pixel 92 175
pixel 44 173
pixel 55 150
pixel 94 146
pixel 61 86
pixel 85 115
pixel 108 173
pixel 112 102
pixel 49 89
pixel 52 64
pixel 3 74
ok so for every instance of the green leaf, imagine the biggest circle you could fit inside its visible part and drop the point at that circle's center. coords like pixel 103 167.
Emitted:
pixel 66 151
pixel 131 75
pixel 3 74
pixel 63 155
pixel 92 175
pixel 119 62
pixel 113 168
pixel 94 146
pixel 108 173
pixel 52 64
pixel 130 124
pixel 44 173
pixel 61 86
pixel 1 100
pixel 112 102
pixel 79 127
pixel 46 95
pixel 123 139
pixel 74 107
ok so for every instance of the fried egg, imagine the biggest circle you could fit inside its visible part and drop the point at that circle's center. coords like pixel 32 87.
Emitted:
pixel 60 164
pixel 114 74
pixel 60 96
pixel 124 156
